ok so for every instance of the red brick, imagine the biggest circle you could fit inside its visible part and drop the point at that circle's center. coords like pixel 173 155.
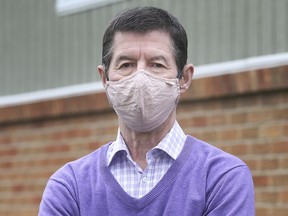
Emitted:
pixel 262 181
pixel 56 148
pixel 283 163
pixel 261 148
pixel 280 147
pixel 218 120
pixel 280 180
pixel 285 130
pixel 250 133
pixel 279 211
pixel 9 152
pixel 5 140
pixel 280 114
pixel 238 118
pixel 211 136
pixel 269 197
pixel 272 211
pixel 268 164
pixel 239 149
pixel 252 164
pixel 71 134
pixel 230 134
pixel 199 121
pixel 263 211
pixel 264 164
pixel 260 115
pixel 271 131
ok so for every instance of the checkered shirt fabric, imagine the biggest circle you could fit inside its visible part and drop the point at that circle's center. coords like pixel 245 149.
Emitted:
pixel 135 181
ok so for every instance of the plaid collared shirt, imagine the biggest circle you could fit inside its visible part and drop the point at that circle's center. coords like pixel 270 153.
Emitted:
pixel 135 181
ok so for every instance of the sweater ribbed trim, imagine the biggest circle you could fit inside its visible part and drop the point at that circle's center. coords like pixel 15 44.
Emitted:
pixel 167 179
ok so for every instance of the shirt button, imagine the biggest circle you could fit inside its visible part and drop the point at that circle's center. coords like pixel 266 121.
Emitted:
pixel 144 180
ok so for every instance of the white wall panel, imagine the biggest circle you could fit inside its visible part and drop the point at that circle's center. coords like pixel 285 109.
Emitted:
pixel 40 50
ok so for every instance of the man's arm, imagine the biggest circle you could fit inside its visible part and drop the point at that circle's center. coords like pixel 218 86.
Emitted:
pixel 232 195
pixel 59 197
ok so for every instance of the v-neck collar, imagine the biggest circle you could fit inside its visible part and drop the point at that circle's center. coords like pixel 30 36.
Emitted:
pixel 167 179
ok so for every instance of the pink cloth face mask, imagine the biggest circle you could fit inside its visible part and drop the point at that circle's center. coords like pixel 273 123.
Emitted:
pixel 142 100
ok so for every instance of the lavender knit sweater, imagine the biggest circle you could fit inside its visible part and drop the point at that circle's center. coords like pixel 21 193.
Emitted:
pixel 203 181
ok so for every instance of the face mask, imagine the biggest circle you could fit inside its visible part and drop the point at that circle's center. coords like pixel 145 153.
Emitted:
pixel 142 100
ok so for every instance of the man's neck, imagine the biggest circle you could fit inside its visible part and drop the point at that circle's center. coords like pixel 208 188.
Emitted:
pixel 139 143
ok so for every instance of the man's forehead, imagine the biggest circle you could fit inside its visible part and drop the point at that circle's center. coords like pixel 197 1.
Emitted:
pixel 129 37
pixel 130 43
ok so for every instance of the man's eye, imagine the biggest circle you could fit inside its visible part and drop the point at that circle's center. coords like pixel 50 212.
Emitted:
pixel 157 65
pixel 126 65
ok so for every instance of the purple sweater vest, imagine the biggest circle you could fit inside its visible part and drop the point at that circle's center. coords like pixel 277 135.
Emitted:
pixel 202 181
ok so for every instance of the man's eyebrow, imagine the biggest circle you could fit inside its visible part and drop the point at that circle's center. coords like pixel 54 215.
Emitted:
pixel 159 57
pixel 121 58
pixel 124 58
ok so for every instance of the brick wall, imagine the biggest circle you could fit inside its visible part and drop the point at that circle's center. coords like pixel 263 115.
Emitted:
pixel 245 114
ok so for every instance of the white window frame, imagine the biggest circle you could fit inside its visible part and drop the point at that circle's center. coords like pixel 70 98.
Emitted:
pixel 68 7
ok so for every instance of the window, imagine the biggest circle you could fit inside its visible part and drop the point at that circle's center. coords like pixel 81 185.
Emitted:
pixel 66 7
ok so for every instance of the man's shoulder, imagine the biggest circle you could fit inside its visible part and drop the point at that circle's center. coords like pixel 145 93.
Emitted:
pixel 83 166
pixel 215 165
pixel 212 157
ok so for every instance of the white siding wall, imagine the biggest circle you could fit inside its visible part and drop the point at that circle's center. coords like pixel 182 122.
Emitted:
pixel 40 50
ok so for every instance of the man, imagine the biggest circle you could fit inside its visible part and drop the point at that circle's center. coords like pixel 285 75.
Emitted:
pixel 152 168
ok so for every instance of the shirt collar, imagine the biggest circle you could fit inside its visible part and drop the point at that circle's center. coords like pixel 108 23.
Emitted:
pixel 171 144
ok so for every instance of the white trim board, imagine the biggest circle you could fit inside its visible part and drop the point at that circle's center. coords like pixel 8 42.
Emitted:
pixel 217 69
pixel 68 7
pixel 51 94
pixel 241 65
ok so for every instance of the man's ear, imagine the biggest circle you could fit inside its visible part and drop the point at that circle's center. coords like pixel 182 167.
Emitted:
pixel 101 71
pixel 186 78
